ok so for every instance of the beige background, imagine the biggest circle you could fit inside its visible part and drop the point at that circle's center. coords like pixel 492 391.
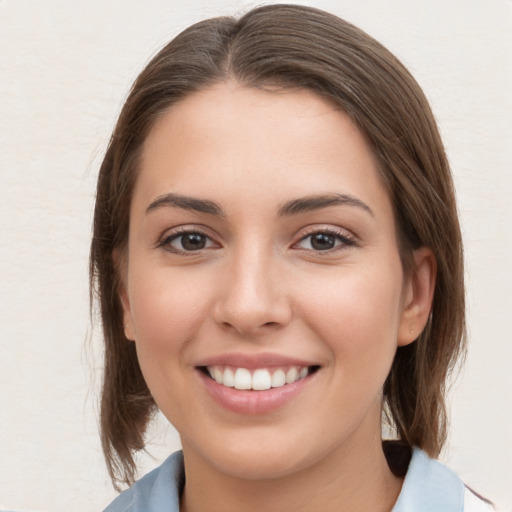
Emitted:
pixel 65 67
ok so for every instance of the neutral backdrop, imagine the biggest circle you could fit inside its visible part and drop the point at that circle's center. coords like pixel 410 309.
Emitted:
pixel 65 68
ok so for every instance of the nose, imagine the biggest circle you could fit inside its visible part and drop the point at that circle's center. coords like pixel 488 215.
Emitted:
pixel 252 297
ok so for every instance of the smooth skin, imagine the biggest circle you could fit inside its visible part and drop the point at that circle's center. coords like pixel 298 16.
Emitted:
pixel 279 238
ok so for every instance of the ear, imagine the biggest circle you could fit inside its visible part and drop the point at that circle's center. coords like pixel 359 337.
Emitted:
pixel 418 295
pixel 121 267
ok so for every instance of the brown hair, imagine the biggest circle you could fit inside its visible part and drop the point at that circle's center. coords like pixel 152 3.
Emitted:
pixel 289 46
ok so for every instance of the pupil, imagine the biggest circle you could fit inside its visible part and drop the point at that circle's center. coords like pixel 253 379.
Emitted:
pixel 322 241
pixel 193 242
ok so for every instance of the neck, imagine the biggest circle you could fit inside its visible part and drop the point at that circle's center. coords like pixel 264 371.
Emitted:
pixel 346 480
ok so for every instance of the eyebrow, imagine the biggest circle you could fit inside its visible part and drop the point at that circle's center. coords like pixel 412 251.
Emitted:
pixel 293 207
pixel 317 202
pixel 185 203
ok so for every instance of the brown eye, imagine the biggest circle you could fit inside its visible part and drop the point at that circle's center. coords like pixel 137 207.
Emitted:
pixel 187 241
pixel 324 241
pixel 192 241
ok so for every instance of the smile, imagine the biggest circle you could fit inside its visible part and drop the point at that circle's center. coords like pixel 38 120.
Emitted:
pixel 259 379
pixel 256 384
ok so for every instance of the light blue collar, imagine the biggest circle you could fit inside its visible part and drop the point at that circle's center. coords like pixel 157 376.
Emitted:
pixel 429 486
pixel 157 491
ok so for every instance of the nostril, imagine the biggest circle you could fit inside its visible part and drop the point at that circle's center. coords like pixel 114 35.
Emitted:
pixel 248 328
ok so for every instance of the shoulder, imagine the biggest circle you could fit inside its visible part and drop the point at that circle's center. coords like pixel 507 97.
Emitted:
pixel 430 485
pixel 159 489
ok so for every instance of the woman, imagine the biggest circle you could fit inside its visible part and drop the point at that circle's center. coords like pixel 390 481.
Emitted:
pixel 278 261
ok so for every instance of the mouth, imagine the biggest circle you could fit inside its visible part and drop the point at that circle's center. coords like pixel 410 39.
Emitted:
pixel 258 379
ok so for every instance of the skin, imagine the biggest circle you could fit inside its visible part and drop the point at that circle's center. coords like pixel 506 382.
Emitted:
pixel 260 285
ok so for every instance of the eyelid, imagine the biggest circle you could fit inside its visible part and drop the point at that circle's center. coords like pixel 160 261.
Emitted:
pixel 347 237
pixel 171 234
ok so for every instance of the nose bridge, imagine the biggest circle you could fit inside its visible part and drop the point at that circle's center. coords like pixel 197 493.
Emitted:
pixel 252 296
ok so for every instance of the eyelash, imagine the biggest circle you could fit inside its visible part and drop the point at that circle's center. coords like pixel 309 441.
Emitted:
pixel 344 240
pixel 343 237
pixel 166 241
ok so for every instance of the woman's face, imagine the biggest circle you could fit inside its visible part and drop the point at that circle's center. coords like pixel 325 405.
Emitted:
pixel 263 251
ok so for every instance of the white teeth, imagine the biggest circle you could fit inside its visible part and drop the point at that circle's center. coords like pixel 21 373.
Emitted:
pixel 278 379
pixel 243 379
pixel 229 378
pixel 218 375
pixel 259 380
pixel 292 375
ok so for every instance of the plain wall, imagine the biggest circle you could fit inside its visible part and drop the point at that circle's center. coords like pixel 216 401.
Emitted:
pixel 65 68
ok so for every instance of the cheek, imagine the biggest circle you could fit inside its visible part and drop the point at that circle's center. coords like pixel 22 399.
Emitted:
pixel 357 311
pixel 167 313
pixel 166 309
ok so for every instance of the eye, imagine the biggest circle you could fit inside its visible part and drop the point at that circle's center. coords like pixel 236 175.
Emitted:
pixel 324 241
pixel 186 241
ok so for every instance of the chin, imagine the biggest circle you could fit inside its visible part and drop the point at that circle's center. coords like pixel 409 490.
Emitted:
pixel 261 459
pixel 259 466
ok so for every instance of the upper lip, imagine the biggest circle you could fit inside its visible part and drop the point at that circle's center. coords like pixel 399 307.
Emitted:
pixel 254 361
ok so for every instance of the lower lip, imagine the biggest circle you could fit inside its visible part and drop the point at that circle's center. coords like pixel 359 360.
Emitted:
pixel 250 402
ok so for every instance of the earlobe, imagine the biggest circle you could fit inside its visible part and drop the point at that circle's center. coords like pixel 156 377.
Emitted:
pixel 127 316
pixel 120 267
pixel 418 296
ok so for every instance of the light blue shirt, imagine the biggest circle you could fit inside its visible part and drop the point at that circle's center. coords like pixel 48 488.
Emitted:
pixel 429 486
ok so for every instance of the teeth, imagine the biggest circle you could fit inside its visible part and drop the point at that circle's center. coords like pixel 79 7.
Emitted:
pixel 278 379
pixel 218 375
pixel 242 379
pixel 259 380
pixel 292 375
pixel 229 378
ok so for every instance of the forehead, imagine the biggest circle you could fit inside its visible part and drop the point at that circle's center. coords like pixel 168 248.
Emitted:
pixel 277 142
